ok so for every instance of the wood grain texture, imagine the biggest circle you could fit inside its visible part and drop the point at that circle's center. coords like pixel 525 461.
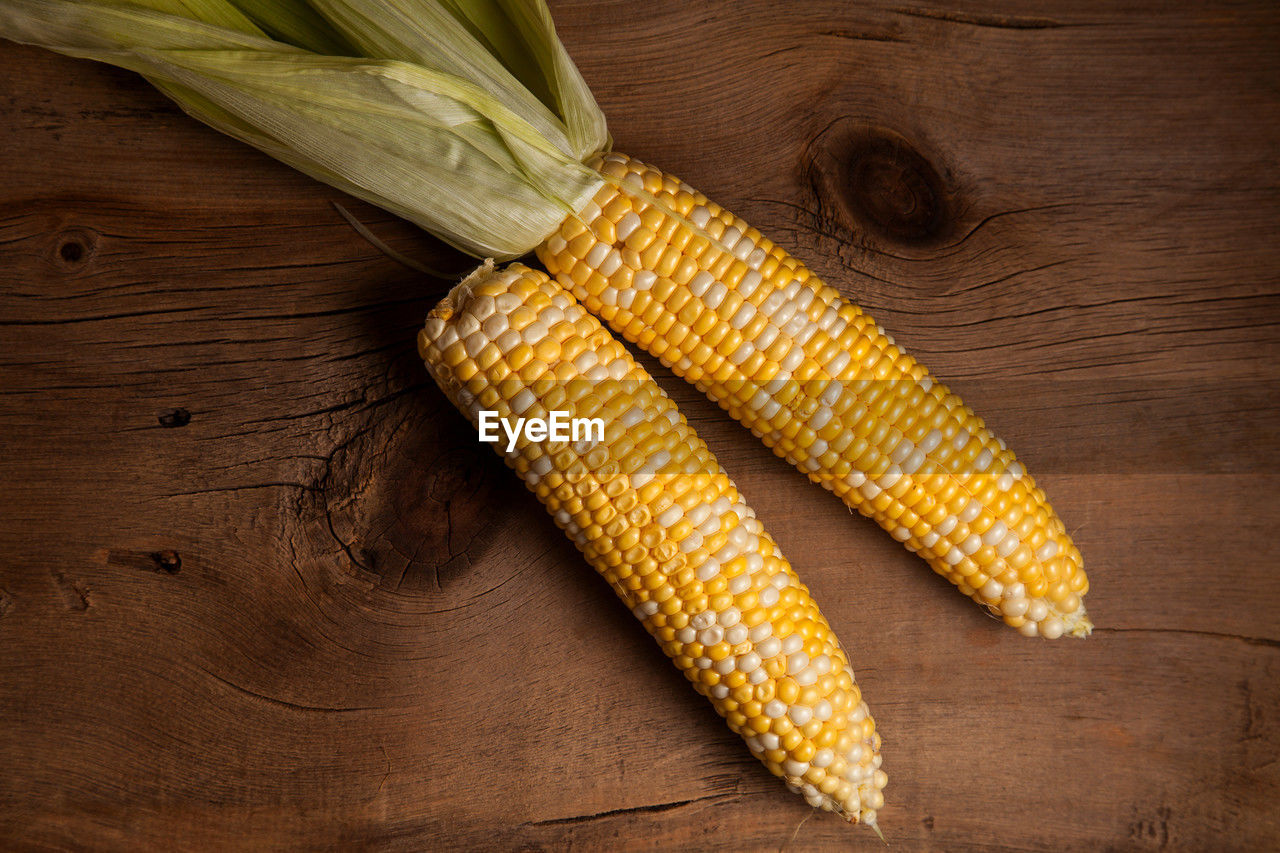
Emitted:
pixel 260 587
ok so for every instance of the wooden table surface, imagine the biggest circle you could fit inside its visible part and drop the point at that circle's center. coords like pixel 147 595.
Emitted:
pixel 261 587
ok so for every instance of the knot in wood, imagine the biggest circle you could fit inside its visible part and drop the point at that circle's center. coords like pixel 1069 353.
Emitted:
pixel 169 562
pixel 870 180
pixel 175 418
pixel 74 248
pixel 896 190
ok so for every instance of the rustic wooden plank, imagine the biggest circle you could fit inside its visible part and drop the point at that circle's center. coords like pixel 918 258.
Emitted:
pixel 260 588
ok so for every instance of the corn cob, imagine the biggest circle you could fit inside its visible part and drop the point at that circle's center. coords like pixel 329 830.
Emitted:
pixel 822 384
pixel 656 515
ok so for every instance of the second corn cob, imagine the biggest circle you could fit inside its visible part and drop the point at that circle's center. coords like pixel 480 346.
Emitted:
pixel 822 384
pixel 656 515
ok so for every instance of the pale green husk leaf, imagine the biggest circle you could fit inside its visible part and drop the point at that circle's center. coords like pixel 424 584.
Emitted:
pixel 290 21
pixel 436 129
pixel 503 46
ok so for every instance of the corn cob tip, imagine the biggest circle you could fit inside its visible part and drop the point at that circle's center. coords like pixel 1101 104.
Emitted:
pixel 1078 624
pixel 457 295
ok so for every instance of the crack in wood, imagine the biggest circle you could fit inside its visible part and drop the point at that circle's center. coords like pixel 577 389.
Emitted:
pixel 852 35
pixel 243 487
pixel 1002 22
pixel 946 250
pixel 656 808
pixel 1218 635
pixel 284 703
pixel 357 405
pixel 123 315
pixel 324 484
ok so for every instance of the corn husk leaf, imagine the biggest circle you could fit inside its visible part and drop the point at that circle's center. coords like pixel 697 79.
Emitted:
pixel 503 46
pixel 485 166
pixel 289 21
pixel 292 22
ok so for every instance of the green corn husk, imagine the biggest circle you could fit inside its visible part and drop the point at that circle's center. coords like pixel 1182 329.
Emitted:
pixel 467 118
pixel 495 43
pixel 289 21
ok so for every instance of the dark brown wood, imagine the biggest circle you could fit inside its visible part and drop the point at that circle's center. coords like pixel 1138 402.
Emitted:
pixel 259 586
